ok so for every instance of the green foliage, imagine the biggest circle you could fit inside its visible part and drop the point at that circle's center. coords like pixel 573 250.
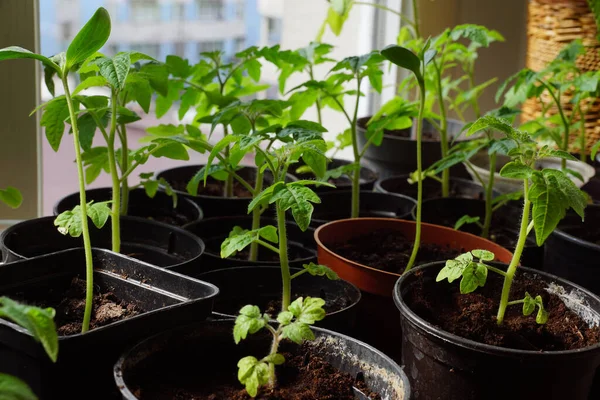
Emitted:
pixel 464 220
pixel 249 321
pixel 69 222
pixel 37 321
pixel 321 270
pixel 529 306
pixel 11 197
pixel 240 238
pixel 89 39
pixel 12 388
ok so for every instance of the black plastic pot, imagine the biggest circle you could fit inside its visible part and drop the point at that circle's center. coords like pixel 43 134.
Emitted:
pixel 461 188
pixel 150 241
pixel 212 231
pixel 169 355
pixel 158 208
pixel 397 154
pixel 213 206
pixel 83 369
pixel 368 177
pixel 447 211
pixel 337 205
pixel 441 365
pixel 261 286
pixel 571 257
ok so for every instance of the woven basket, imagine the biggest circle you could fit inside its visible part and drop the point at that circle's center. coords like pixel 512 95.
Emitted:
pixel 552 25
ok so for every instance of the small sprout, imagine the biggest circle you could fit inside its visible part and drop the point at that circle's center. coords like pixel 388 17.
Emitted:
pixel 529 305
pixel 69 222
pixel 466 219
pixel 249 321
pixel 253 374
pixel 318 270
pixel 240 238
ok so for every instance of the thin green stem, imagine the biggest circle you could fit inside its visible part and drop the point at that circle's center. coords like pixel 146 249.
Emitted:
pixel 297 274
pixel 515 302
pixel 565 144
pixel 258 185
pixel 283 259
pixel 496 270
pixel 477 176
pixel 274 349
pixel 124 165
pixel 489 192
pixel 115 215
pixel 416 23
pixel 514 263
pixel 229 181
pixel 582 136
pixel 417 242
pixel 474 102
pixel 443 130
pixel 87 245
pixel 357 155
pixel 268 246
pixel 318 101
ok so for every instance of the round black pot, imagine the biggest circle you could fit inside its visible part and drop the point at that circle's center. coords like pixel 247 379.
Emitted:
pixel 150 241
pixel 338 204
pixel 397 153
pixel 214 206
pixel 158 208
pixel 447 211
pixel 170 354
pixel 571 257
pixel 462 188
pixel 212 231
pixel 445 366
pixel 368 177
pixel 261 286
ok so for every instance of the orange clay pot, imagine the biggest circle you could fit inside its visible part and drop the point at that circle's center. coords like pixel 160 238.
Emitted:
pixel 376 281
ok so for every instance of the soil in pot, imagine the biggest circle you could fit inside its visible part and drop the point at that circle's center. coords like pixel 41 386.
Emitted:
pixel 461 188
pixel 472 316
pixel 390 251
pixel 214 187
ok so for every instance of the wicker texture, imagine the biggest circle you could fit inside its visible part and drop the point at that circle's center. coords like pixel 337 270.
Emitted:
pixel 552 25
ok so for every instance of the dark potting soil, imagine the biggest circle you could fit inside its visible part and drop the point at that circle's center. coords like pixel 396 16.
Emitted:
pixel 174 219
pixel 473 316
pixel 70 306
pixel 390 251
pixel 214 187
pixel 303 376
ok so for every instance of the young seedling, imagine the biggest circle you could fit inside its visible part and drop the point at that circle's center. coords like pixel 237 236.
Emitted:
pixel 85 44
pixel 295 319
pixel 351 69
pixel 39 322
pixel 11 197
pixel 415 63
pixel 547 195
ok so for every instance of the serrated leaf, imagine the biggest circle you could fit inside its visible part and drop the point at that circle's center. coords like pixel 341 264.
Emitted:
pixel 92 81
pixel 69 222
pixel 276 359
pixel 53 119
pixel 454 268
pixel 11 197
pixel 249 321
pixel 252 374
pixel 12 388
pixel 285 317
pixel 297 332
pixel 240 238
pixel 517 170
pixel 98 213
pixel 38 322
pixel 321 270
pixel 299 199
pixel 265 196
pixel 474 276
pixel 307 310
pixel 89 39
pixel 115 70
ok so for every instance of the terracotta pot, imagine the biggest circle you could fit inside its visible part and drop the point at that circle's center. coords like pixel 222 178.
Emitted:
pixel 376 281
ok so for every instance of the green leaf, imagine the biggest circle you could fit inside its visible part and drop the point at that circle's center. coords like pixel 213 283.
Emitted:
pixel 137 88
pixel 454 268
pixel 403 58
pixel 516 169
pixel 299 199
pixel 115 70
pixel 253 67
pixel 87 129
pixel 285 317
pixel 240 238
pixel 465 219
pixel 53 119
pixel 338 14
pixel 98 213
pixel 178 66
pixel 12 388
pixel 174 151
pixel 499 124
pixel 166 130
pixel 276 359
pixel 37 321
pixel 249 321
pixel 92 81
pixel 483 255
pixel 474 276
pixel 528 304
pixel 69 222
pixel 11 197
pixel 265 196
pixel 307 310
pixel 90 39
pixel 297 332
pixel 16 52
pixel 321 270
pixel 252 374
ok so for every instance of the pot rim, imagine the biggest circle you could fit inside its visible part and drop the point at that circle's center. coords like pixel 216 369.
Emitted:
pixel 574 239
pixel 359 125
pixel 381 189
pixel 273 267
pixel 456 340
pixel 124 389
pixel 393 220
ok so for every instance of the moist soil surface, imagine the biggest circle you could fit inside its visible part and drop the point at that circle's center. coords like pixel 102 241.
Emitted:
pixel 304 376
pixel 214 187
pixel 70 306
pixel 175 219
pixel 473 316
pixel 390 251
